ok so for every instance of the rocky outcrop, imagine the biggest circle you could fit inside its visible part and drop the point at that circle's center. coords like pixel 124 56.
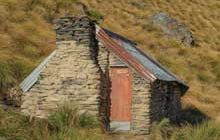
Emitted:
pixel 173 28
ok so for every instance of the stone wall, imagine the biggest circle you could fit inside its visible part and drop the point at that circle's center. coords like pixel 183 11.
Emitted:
pixel 165 101
pixel 71 75
pixel 141 96
pixel 105 103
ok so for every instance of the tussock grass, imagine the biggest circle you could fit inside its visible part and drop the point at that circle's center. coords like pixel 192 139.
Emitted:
pixel 208 130
pixel 65 124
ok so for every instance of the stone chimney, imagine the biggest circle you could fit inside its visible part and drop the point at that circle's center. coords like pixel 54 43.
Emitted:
pixel 77 48
pixel 79 29
pixel 89 77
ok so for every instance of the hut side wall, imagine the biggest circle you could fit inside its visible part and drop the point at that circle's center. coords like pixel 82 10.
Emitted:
pixel 165 101
pixel 141 97
pixel 72 75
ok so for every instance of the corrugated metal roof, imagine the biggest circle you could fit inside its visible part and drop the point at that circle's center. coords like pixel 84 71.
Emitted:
pixel 150 64
pixel 33 77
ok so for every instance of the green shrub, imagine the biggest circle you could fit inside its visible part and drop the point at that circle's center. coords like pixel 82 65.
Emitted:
pixel 96 15
pixel 87 121
pixel 68 116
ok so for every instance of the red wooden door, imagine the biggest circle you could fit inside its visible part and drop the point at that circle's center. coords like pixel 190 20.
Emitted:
pixel 120 94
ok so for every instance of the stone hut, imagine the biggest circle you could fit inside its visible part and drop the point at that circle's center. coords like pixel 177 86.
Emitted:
pixel 104 74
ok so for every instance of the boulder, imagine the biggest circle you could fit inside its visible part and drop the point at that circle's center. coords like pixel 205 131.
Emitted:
pixel 173 28
pixel 13 97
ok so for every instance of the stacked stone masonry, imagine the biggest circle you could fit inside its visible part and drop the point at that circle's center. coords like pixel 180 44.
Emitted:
pixel 140 104
pixel 105 103
pixel 165 101
pixel 80 29
pixel 70 76
pixel 79 73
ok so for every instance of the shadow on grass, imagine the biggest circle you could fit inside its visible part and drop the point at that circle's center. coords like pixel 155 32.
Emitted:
pixel 193 116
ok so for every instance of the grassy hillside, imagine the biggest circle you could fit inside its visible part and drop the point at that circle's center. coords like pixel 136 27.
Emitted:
pixel 27 36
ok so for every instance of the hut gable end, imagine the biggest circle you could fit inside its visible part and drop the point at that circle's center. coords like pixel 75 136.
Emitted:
pixel 71 74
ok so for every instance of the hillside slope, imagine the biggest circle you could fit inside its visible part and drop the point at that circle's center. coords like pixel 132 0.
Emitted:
pixel 27 36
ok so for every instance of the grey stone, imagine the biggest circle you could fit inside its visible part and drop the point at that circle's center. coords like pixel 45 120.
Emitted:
pixel 173 28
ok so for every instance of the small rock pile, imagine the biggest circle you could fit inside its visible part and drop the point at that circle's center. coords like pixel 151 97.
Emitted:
pixel 173 28
pixel 74 28
pixel 13 97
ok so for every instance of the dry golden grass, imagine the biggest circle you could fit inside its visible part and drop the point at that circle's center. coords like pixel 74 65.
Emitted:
pixel 27 36
pixel 26 32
